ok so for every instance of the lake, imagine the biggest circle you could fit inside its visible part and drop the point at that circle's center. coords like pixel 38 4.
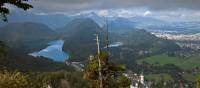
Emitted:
pixel 54 51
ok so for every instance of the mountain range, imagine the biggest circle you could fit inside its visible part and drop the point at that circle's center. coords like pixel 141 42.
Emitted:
pixel 56 21
pixel 80 43
pixel 78 35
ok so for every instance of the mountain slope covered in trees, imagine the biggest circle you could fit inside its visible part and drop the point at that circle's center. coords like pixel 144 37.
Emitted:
pixel 26 36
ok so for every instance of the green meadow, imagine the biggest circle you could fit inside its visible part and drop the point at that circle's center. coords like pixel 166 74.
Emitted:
pixel 163 59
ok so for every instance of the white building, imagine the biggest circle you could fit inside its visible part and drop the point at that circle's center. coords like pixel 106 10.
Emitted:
pixel 137 80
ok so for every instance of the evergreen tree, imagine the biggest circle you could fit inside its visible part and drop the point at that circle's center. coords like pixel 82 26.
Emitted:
pixel 3 53
pixel 112 74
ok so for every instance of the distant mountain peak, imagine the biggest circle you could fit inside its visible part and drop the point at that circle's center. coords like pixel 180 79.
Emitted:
pixel 79 25
pixel 91 14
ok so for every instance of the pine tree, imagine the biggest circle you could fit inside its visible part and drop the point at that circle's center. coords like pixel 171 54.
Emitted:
pixel 112 74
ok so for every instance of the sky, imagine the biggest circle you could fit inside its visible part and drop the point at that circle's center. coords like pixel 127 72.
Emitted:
pixel 162 9
pixel 79 5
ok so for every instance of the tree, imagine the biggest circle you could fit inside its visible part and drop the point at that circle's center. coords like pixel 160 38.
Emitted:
pixel 14 80
pixel 58 79
pixel 22 4
pixel 3 54
pixel 3 49
pixel 112 74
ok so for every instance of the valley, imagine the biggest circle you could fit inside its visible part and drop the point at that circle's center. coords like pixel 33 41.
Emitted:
pixel 99 44
pixel 158 55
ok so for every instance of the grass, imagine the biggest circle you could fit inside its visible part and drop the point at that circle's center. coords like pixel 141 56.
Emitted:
pixel 190 77
pixel 158 77
pixel 188 63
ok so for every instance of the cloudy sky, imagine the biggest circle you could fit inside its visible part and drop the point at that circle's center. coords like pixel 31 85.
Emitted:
pixel 79 5
pixel 164 9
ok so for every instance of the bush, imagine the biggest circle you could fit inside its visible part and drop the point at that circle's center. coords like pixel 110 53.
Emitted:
pixel 13 80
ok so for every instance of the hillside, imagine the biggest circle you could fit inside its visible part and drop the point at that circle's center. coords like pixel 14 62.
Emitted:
pixel 27 35
pixel 79 38
pixel 120 25
pixel 83 26
pixel 191 62
pixel 139 44
pixel 17 60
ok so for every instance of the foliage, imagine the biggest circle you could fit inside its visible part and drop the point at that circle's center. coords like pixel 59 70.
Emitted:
pixel 22 4
pixel 124 82
pixel 44 79
pixel 3 49
pixel 3 54
pixel 58 79
pixel 13 80
pixel 198 82
pixel 111 73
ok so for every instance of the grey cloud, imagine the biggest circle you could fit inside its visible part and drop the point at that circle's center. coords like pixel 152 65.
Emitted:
pixel 79 5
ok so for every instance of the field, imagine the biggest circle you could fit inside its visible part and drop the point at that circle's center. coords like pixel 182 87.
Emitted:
pixel 191 77
pixel 184 63
pixel 158 77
